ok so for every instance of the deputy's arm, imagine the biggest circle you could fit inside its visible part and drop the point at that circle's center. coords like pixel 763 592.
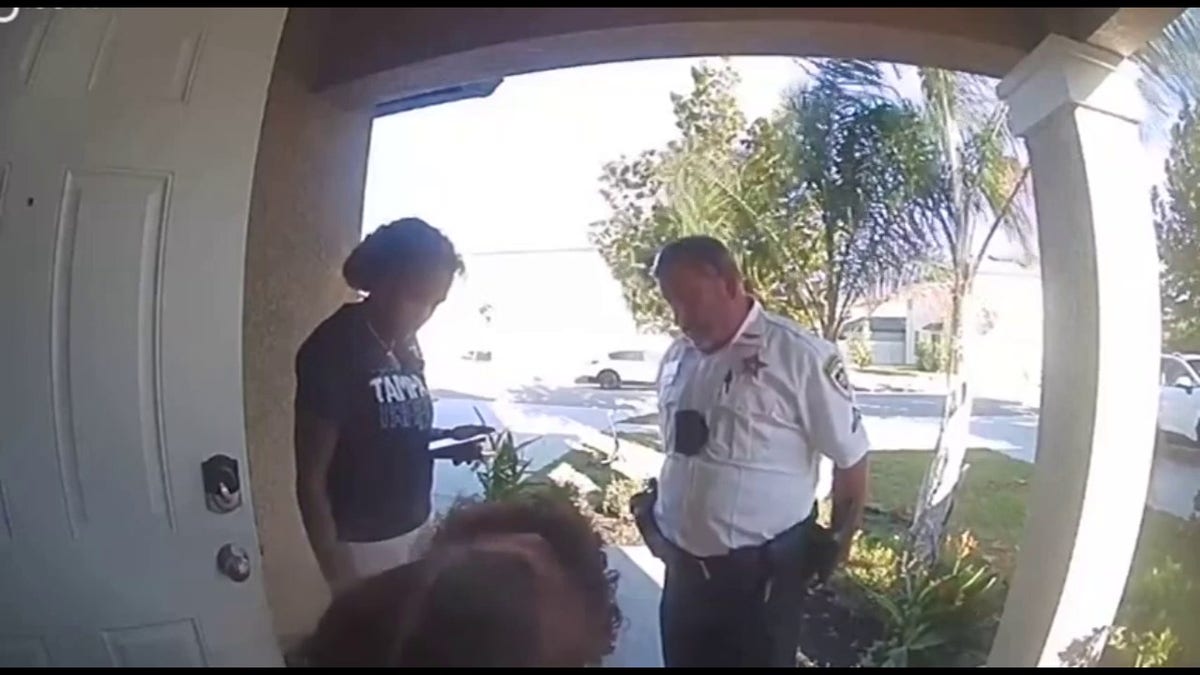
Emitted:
pixel 849 502
pixel 835 429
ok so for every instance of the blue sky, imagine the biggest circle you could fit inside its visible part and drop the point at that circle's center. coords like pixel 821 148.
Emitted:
pixel 519 171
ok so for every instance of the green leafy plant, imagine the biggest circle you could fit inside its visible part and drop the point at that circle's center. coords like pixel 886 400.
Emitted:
pixel 931 356
pixel 939 615
pixel 860 347
pixel 1145 649
pixel 503 473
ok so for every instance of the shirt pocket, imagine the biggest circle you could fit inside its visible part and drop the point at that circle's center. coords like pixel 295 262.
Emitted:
pixel 742 418
pixel 752 399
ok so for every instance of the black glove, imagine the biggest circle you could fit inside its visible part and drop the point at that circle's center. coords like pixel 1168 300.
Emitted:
pixel 643 502
pixel 823 554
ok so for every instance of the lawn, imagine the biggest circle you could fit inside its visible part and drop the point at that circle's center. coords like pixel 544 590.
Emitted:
pixel 991 502
pixel 1163 592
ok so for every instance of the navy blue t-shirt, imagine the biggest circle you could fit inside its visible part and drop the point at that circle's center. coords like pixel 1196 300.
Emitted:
pixel 381 478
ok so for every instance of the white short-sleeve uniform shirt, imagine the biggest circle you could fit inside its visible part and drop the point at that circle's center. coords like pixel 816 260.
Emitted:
pixel 775 399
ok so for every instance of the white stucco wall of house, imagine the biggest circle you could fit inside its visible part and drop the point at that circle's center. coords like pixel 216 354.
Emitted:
pixel 1006 346
pixel 551 311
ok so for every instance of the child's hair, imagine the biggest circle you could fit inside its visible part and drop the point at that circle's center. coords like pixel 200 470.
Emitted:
pixel 521 583
pixel 409 246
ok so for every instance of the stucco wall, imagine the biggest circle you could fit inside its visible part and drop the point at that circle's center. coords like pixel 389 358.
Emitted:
pixel 304 217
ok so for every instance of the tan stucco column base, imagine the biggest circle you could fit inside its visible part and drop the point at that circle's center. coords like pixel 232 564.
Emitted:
pixel 1079 116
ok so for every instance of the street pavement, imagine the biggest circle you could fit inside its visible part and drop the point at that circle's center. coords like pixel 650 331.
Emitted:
pixel 564 413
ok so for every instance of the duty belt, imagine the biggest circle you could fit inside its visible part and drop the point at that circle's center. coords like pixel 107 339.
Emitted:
pixel 805 544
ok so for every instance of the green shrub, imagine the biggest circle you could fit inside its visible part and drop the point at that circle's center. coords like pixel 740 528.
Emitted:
pixel 941 616
pixel 1146 649
pixel 931 355
pixel 504 471
pixel 860 349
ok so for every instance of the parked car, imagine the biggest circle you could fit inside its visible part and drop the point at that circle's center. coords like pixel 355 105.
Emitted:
pixel 633 366
pixel 1179 398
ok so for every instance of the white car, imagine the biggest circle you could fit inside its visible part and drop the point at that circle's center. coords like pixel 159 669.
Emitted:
pixel 633 366
pixel 1179 398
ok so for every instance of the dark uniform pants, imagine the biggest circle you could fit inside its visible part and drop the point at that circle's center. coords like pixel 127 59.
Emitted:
pixel 731 615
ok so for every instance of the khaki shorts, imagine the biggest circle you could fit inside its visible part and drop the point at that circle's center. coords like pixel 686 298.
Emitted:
pixel 366 559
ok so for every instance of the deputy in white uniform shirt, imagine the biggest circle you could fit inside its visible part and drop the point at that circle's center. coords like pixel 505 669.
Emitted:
pixel 748 402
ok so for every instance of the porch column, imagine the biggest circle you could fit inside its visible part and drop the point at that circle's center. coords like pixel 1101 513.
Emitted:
pixel 1079 117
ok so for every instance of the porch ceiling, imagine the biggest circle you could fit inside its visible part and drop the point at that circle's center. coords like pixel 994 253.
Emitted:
pixel 366 44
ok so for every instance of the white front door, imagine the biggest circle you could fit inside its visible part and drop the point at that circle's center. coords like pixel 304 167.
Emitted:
pixel 127 145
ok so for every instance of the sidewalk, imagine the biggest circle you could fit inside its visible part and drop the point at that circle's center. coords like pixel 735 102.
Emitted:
pixel 887 379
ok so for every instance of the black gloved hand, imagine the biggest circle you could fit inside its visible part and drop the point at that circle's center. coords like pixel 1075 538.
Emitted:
pixel 823 555
pixel 644 499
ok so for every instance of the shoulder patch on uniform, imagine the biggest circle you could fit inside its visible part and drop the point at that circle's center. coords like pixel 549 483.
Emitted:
pixel 835 370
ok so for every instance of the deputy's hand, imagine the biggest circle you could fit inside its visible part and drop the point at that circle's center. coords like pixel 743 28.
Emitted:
pixel 465 431
pixel 828 552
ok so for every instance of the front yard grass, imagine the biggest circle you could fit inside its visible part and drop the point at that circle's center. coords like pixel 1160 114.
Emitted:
pixel 1163 592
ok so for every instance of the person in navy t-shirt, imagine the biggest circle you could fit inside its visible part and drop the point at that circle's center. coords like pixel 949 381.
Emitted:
pixel 364 416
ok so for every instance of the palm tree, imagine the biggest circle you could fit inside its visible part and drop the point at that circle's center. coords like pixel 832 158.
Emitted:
pixel 1170 69
pixel 814 201
pixel 977 187
pixel 855 145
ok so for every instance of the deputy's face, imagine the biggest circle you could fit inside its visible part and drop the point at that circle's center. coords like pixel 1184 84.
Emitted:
pixel 701 300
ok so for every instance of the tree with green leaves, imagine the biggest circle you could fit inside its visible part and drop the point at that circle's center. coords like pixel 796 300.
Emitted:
pixel 720 178
pixel 1177 221
pixel 1170 70
pixel 858 150
pixel 813 202
pixel 977 187
pixel 1170 67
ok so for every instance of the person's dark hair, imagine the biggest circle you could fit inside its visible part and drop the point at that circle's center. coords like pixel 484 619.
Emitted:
pixel 478 609
pixel 575 543
pixel 699 250
pixel 470 603
pixel 409 246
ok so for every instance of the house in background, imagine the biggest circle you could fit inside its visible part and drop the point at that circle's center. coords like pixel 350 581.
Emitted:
pixel 1006 332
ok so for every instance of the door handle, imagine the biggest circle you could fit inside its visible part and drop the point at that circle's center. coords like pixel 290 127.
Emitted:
pixel 222 484
pixel 234 562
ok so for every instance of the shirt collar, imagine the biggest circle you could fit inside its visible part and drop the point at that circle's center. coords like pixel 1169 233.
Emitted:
pixel 750 331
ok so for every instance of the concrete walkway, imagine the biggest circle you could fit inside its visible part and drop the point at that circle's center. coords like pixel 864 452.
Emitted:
pixel 638 590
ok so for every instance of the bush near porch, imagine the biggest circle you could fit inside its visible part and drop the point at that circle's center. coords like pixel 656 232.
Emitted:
pixel 881 611
pixel 950 616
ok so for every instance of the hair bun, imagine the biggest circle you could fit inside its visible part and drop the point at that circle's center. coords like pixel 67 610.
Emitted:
pixel 408 245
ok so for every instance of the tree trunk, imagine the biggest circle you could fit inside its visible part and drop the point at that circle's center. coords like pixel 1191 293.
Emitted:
pixel 936 500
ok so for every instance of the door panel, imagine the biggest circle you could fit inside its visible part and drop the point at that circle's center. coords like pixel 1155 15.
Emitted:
pixel 127 144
